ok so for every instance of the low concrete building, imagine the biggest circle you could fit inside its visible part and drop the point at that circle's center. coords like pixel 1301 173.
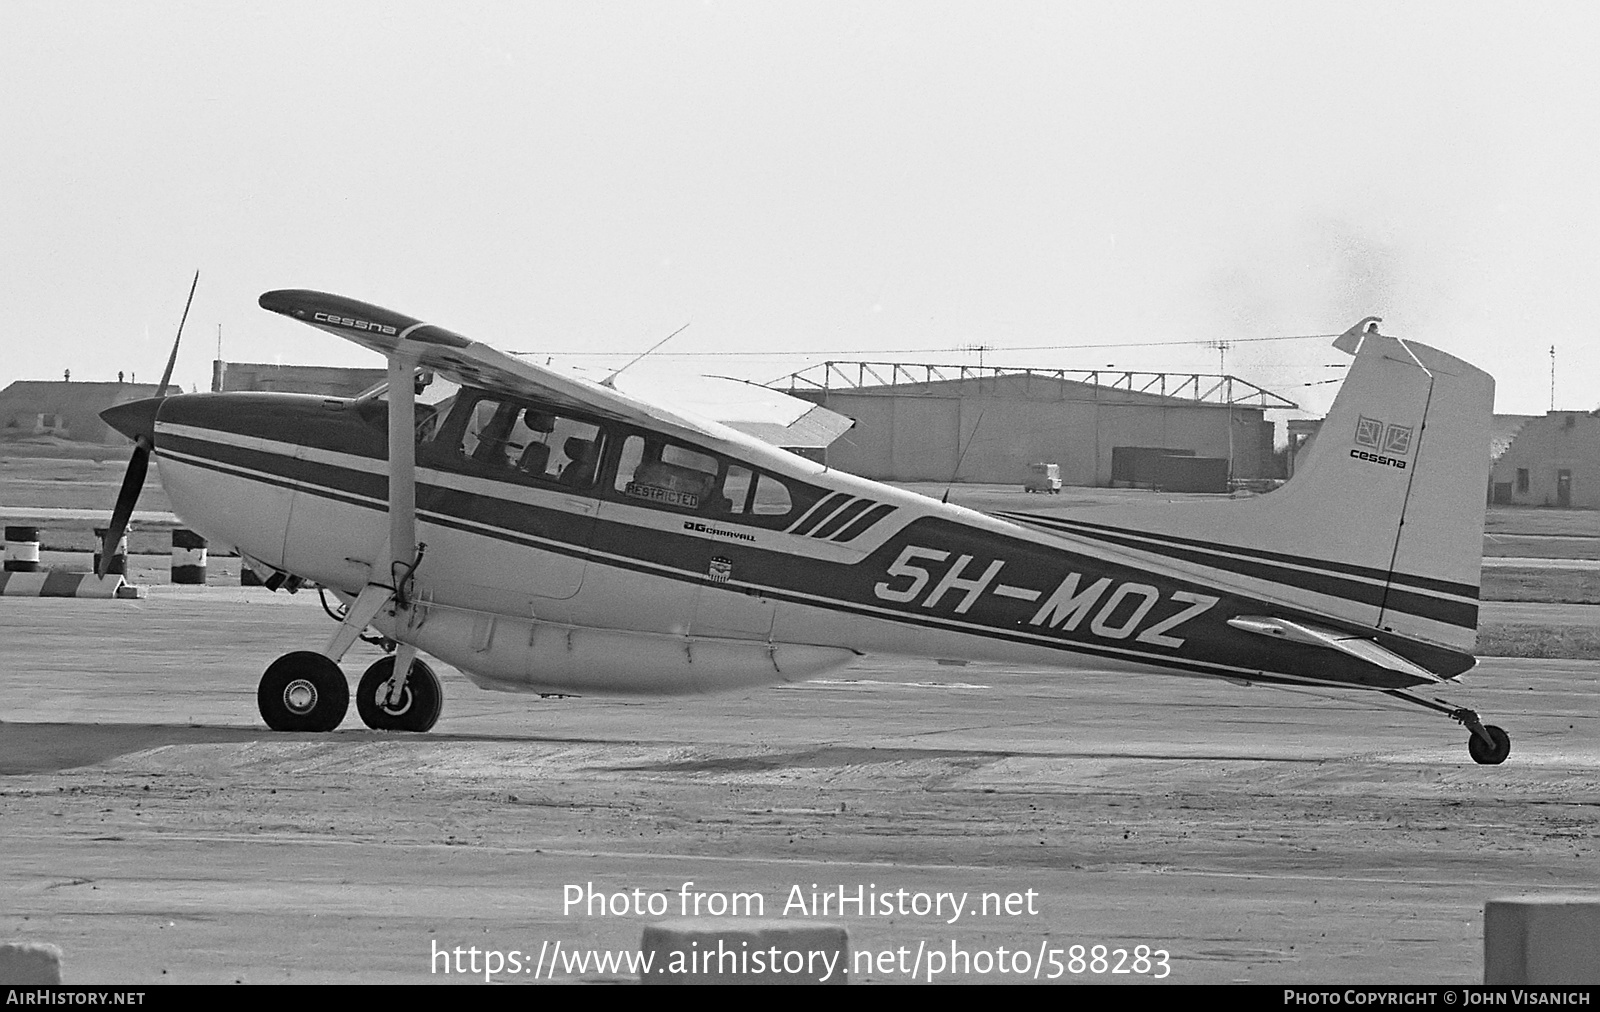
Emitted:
pixel 332 381
pixel 1503 430
pixel 66 410
pixel 1302 433
pixel 1553 461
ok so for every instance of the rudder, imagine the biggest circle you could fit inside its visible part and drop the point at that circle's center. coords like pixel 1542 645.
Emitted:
pixel 1395 482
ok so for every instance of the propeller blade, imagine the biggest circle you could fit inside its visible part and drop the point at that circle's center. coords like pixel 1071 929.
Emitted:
pixel 132 484
pixel 172 360
pixel 143 444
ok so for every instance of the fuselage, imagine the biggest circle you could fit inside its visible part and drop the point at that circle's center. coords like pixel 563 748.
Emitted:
pixel 571 553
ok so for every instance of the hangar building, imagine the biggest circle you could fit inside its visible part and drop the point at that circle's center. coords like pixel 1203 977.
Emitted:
pixel 1552 461
pixel 988 423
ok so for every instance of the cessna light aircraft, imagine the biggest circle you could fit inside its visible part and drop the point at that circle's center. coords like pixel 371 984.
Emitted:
pixel 544 532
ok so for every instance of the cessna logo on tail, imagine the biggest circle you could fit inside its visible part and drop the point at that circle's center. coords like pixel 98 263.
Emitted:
pixel 1390 439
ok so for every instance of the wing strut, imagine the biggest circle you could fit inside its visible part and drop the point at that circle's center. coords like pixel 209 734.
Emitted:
pixel 390 576
pixel 402 473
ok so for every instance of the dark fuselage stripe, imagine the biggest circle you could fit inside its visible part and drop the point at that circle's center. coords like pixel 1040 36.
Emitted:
pixel 818 510
pixel 863 523
pixel 346 481
pixel 548 529
pixel 821 512
pixel 779 594
pixel 1085 529
pixel 1449 612
pixel 841 518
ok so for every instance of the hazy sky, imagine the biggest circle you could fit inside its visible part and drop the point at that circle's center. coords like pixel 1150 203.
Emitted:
pixel 815 178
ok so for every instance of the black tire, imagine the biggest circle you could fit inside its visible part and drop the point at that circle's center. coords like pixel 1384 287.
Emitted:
pixel 1483 754
pixel 303 691
pixel 420 700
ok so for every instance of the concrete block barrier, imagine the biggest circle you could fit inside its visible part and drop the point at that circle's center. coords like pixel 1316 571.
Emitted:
pixel 188 557
pixel 29 963
pixel 724 950
pixel 119 555
pixel 55 583
pixel 22 549
pixel 1542 940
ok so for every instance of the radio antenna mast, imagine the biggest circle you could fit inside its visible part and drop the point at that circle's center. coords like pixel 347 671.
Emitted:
pixel 970 437
pixel 611 381
pixel 1552 377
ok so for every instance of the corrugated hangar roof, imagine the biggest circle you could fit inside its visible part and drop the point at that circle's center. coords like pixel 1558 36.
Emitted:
pixel 906 379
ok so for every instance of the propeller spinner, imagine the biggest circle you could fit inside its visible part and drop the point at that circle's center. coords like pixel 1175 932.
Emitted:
pixel 137 420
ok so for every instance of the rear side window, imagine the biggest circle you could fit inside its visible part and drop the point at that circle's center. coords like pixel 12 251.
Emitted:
pixel 771 498
pixel 668 475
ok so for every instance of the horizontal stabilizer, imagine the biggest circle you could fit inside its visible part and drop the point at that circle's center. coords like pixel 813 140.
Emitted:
pixel 1320 636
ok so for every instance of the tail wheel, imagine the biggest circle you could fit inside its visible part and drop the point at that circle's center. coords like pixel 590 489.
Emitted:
pixel 1489 745
pixel 303 691
pixel 419 704
pixel 1481 751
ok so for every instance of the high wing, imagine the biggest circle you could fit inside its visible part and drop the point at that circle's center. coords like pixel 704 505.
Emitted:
pixel 473 363
pixel 769 415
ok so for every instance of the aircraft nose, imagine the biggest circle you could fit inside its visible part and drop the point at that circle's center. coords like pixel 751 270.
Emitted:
pixel 134 418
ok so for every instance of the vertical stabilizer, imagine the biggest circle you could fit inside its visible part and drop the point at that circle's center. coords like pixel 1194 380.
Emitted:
pixel 1382 524
pixel 1394 486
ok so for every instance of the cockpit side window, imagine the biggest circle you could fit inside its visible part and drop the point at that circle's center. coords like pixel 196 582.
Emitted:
pixel 512 440
pixel 487 436
pixel 435 398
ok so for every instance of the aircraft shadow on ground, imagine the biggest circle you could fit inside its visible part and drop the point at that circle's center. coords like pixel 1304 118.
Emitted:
pixel 843 756
pixel 34 748
pixel 818 758
pixel 50 748
pixel 31 748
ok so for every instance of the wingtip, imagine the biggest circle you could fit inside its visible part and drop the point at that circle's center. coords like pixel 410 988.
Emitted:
pixel 283 300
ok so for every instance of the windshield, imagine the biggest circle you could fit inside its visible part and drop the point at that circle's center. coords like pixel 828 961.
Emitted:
pixel 433 400
pixel 433 389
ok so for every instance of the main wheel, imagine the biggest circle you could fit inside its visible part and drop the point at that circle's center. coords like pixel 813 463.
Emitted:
pixel 1485 755
pixel 416 710
pixel 303 691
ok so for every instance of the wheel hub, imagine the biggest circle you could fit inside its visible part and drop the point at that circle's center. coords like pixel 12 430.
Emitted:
pixel 400 705
pixel 300 696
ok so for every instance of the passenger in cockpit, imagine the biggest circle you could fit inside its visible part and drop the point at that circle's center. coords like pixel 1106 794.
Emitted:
pixel 580 466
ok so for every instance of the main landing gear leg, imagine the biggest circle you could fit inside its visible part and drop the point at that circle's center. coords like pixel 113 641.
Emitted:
pixel 1489 745
pixel 306 690
pixel 360 615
